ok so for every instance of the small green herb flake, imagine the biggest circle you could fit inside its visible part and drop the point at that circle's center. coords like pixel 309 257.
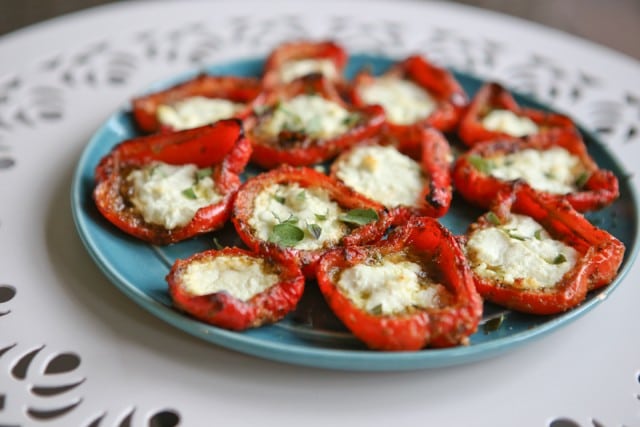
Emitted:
pixel 559 259
pixel 279 199
pixel 301 196
pixel 516 236
pixel 481 164
pixel 217 244
pixel 377 310
pixel 189 193
pixel 203 173
pixel 291 220
pixel 359 216
pixel 538 234
pixel 582 179
pixel 286 234
pixel 321 217
pixel 493 324
pixel 351 120
pixel 493 218
pixel 315 230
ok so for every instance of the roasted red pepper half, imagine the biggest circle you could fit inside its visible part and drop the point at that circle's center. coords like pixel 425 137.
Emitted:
pixel 568 171
pixel 238 90
pixel 304 213
pixel 307 122
pixel 588 258
pixel 367 287
pixel 292 60
pixel 512 119
pixel 235 289
pixel 219 152
pixel 445 98
pixel 380 170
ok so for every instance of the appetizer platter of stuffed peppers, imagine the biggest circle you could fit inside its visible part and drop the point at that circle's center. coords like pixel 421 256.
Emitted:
pixel 345 210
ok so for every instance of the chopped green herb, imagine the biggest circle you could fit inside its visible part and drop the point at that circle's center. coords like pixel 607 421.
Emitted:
pixel 481 164
pixel 291 220
pixel 351 120
pixel 515 236
pixel 286 234
pixel 493 218
pixel 315 230
pixel 559 259
pixel 359 216
pixel 279 199
pixel 189 193
pixel 203 173
pixel 217 244
pixel 537 234
pixel 322 217
pixel 582 179
pixel 301 196
pixel 493 324
pixel 377 310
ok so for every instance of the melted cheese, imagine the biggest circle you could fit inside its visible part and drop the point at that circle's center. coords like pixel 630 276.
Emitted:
pixel 170 195
pixel 291 70
pixel 196 111
pixel 403 101
pixel 241 276
pixel 382 174
pixel 554 170
pixel 310 114
pixel 520 250
pixel 282 202
pixel 390 286
pixel 506 121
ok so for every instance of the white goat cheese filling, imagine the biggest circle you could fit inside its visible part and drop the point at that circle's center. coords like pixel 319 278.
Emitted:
pixel 196 111
pixel 506 121
pixel 404 102
pixel 291 70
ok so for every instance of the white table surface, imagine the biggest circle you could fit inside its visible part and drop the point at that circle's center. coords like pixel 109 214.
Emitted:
pixel 60 79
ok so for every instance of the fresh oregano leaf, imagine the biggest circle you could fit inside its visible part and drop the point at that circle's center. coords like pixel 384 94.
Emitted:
pixel 481 164
pixel 493 218
pixel 189 193
pixel 359 216
pixel 286 234
pixel 315 230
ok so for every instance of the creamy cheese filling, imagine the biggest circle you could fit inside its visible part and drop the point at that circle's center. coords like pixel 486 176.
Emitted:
pixel 169 195
pixel 520 250
pixel 554 170
pixel 309 210
pixel 382 174
pixel 403 101
pixel 196 111
pixel 391 286
pixel 241 276
pixel 291 70
pixel 309 114
pixel 508 122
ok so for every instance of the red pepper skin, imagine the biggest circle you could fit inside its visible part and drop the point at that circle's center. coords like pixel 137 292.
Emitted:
pixel 600 254
pixel 297 148
pixel 226 311
pixel 431 149
pixel 493 96
pixel 305 177
pixel 435 327
pixel 304 49
pixel 220 146
pixel 438 82
pixel 600 189
pixel 236 89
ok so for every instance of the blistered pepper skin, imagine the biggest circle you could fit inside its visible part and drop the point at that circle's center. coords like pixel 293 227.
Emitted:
pixel 434 327
pixel 479 187
pixel 220 146
pixel 243 209
pixel 494 96
pixel 226 311
pixel 243 90
pixel 600 254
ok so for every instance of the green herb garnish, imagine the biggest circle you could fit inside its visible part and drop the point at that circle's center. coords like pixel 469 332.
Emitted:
pixel 359 216
pixel 189 193
pixel 559 259
pixel 351 120
pixel 537 234
pixel 203 173
pixel 377 310
pixel 481 164
pixel 301 196
pixel 582 179
pixel 315 230
pixel 493 218
pixel 493 324
pixel 322 217
pixel 286 234
pixel 279 199
pixel 515 236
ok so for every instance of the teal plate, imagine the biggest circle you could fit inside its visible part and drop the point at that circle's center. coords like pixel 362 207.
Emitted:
pixel 311 335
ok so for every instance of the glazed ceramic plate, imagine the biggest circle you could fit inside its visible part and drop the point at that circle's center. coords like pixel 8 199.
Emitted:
pixel 312 335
